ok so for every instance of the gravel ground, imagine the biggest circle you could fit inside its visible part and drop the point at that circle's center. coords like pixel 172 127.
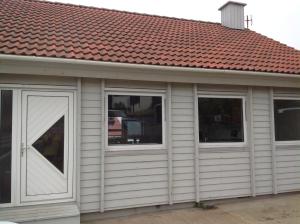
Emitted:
pixel 281 209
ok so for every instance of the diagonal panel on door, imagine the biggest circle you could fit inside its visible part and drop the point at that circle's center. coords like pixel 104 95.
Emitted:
pixel 51 144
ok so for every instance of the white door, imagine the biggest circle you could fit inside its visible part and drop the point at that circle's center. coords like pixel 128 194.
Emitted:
pixel 47 146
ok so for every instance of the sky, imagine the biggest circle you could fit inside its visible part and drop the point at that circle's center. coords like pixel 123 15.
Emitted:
pixel 279 20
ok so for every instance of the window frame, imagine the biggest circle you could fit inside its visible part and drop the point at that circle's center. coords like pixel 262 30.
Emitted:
pixel 224 144
pixel 15 160
pixel 289 142
pixel 133 147
pixel 16 141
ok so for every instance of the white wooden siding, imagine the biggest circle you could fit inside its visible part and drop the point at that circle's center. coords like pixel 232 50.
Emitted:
pixel 262 141
pixel 38 80
pixel 286 92
pixel 135 84
pixel 61 212
pixel 288 156
pixel 135 178
pixel 140 178
pixel 288 168
pixel 232 16
pixel 90 145
pixel 183 143
pixel 224 174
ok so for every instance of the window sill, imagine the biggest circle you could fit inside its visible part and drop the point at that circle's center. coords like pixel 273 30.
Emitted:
pixel 134 147
pixel 122 151
pixel 222 145
pixel 287 143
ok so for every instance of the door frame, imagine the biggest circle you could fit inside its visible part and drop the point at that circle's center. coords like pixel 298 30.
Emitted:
pixel 70 167
pixel 16 142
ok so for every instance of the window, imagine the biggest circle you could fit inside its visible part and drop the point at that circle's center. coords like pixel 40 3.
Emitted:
pixel 135 120
pixel 221 120
pixel 287 119
pixel 51 144
pixel 5 145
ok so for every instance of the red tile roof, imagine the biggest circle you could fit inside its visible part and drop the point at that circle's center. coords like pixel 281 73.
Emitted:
pixel 39 28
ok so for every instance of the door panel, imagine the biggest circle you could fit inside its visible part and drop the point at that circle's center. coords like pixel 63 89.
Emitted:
pixel 47 145
pixel 42 176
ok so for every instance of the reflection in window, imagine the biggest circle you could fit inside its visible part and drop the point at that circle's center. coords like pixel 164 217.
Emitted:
pixel 5 145
pixel 287 120
pixel 51 144
pixel 220 120
pixel 134 119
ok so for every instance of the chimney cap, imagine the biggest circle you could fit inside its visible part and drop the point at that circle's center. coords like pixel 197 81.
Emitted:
pixel 232 2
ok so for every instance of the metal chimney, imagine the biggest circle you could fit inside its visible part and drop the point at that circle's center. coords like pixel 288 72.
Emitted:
pixel 232 15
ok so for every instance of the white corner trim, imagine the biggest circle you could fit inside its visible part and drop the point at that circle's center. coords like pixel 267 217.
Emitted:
pixel 273 145
pixel 78 141
pixel 196 143
pixel 169 143
pixel 103 139
pixel 251 140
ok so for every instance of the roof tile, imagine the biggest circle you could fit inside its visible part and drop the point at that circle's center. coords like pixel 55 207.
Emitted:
pixel 40 28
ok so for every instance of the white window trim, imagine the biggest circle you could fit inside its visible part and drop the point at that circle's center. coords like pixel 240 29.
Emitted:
pixel 226 144
pixel 288 142
pixel 141 146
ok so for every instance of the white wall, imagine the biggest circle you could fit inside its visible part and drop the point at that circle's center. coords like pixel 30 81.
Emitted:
pixel 131 178
pixel 183 143
pixel 135 179
pixel 232 16
pixel 288 168
pixel 262 140
pixel 287 156
pixel 224 174
pixel 140 178
pixel 224 171
pixel 37 80
pixel 90 145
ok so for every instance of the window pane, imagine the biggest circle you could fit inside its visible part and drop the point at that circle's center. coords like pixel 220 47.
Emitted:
pixel 220 120
pixel 5 145
pixel 134 119
pixel 51 144
pixel 287 120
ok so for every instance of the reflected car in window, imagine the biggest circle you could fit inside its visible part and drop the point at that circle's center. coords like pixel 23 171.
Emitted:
pixel 134 119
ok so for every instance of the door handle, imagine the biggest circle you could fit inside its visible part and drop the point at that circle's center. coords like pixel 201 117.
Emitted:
pixel 23 148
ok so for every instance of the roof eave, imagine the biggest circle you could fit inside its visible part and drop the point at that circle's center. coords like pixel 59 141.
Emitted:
pixel 140 66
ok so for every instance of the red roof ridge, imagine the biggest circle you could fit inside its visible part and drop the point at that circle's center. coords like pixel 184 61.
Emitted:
pixel 120 11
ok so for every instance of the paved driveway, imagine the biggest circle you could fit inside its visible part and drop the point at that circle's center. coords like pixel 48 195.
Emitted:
pixel 282 209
